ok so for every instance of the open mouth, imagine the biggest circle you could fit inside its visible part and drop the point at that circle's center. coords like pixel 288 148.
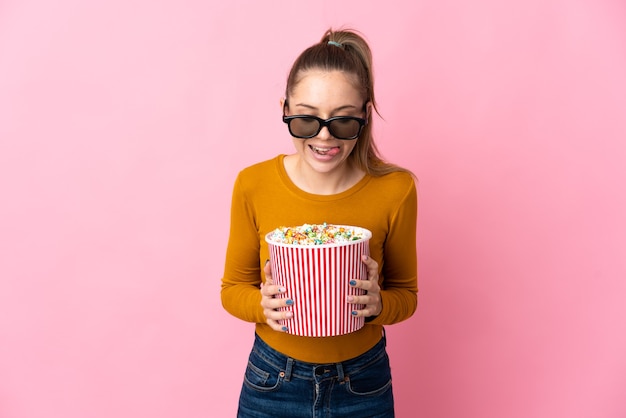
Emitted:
pixel 331 151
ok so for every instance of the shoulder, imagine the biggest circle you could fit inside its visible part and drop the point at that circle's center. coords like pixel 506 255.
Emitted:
pixel 393 191
pixel 261 167
pixel 260 172
pixel 396 182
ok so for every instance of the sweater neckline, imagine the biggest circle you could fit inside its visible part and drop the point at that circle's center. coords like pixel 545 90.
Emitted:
pixel 280 167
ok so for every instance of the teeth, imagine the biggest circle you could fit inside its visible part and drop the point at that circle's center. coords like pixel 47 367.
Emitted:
pixel 320 150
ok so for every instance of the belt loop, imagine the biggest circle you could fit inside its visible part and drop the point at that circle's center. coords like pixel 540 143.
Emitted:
pixel 288 369
pixel 340 375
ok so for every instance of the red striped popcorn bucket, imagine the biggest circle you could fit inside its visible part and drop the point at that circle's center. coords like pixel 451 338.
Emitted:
pixel 317 278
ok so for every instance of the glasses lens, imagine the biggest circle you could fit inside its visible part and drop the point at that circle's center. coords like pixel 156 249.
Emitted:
pixel 344 128
pixel 304 127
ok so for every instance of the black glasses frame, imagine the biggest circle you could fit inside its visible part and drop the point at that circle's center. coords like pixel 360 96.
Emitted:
pixel 325 122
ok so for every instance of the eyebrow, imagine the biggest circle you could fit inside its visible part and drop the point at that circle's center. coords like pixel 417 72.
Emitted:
pixel 340 108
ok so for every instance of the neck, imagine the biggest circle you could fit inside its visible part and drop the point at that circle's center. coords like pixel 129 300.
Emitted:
pixel 322 183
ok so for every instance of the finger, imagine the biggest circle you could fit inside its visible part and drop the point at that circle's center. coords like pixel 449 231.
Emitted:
pixel 366 312
pixel 277 315
pixel 366 300
pixel 267 269
pixel 372 267
pixel 271 290
pixel 275 303
pixel 274 319
pixel 367 285
pixel 370 305
pixel 276 326
pixel 357 300
pixel 369 262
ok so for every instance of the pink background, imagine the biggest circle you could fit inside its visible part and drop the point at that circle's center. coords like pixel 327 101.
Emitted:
pixel 124 123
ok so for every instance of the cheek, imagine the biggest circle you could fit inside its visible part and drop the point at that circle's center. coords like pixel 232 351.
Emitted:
pixel 299 145
pixel 348 148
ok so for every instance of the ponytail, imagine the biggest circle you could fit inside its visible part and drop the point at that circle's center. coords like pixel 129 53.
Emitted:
pixel 347 51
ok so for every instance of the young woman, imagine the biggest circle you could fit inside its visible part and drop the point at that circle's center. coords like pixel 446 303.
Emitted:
pixel 335 176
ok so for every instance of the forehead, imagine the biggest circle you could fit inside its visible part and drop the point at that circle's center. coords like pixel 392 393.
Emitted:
pixel 317 88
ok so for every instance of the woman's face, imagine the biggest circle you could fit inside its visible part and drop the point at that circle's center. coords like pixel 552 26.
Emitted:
pixel 325 95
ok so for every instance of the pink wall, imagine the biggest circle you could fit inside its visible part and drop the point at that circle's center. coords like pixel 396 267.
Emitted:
pixel 123 124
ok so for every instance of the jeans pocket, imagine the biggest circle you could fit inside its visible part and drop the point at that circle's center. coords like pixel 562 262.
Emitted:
pixel 372 380
pixel 261 376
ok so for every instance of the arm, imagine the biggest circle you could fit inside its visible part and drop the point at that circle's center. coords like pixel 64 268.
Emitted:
pixel 394 298
pixel 242 273
pixel 244 293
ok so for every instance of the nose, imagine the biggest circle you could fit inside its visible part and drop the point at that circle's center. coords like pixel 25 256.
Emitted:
pixel 324 133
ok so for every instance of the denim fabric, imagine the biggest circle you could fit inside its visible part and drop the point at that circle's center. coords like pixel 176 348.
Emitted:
pixel 278 386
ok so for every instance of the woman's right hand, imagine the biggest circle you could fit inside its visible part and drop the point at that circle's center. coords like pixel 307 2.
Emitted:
pixel 271 304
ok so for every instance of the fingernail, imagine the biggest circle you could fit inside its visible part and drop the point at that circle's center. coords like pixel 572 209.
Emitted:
pixel 350 298
pixel 365 257
pixel 289 302
pixel 353 312
pixel 289 315
pixel 284 328
pixel 353 282
pixel 282 289
pixel 267 261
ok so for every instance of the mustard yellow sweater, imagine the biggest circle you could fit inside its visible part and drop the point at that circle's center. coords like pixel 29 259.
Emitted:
pixel 264 198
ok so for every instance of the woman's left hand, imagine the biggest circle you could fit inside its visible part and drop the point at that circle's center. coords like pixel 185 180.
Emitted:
pixel 371 300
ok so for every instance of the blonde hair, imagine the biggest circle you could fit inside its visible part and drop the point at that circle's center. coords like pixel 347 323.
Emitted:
pixel 347 51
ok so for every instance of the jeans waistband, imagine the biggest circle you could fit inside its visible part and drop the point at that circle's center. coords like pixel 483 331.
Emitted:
pixel 316 371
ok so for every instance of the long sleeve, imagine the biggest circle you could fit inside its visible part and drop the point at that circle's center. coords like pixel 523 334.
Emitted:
pixel 399 271
pixel 242 272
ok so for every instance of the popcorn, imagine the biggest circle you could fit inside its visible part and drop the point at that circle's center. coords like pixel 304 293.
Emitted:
pixel 315 234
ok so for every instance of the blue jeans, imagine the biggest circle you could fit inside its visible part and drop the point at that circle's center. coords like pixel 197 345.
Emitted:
pixel 279 386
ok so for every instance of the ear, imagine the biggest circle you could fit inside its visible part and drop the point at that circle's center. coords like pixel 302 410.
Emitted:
pixel 282 103
pixel 368 109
